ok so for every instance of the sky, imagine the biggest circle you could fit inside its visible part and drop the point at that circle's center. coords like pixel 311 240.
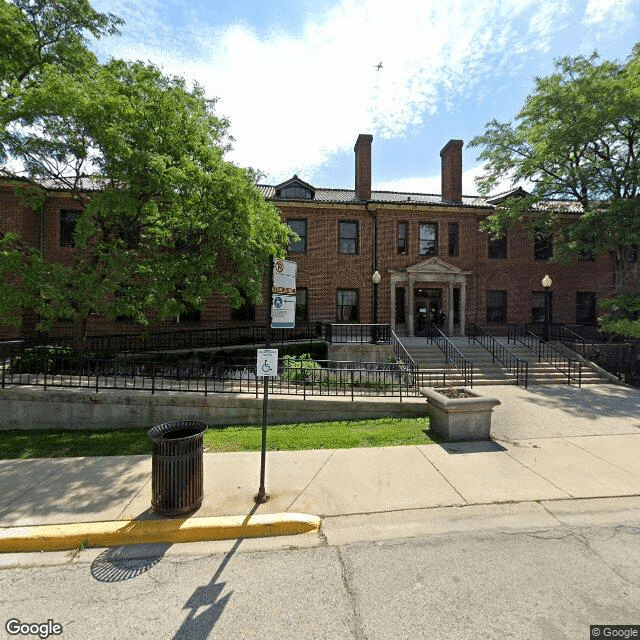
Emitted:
pixel 298 80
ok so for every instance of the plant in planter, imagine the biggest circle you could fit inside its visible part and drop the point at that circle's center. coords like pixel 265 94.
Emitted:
pixel 459 413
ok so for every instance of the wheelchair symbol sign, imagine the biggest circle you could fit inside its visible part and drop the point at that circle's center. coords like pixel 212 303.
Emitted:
pixel 277 302
pixel 267 363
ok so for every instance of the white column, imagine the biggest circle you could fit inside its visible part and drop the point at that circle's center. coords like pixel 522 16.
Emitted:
pixel 410 318
pixel 450 308
pixel 392 313
pixel 463 305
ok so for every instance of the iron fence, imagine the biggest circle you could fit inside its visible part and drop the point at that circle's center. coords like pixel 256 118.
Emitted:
pixel 306 378
pixel 356 333
pixel 199 338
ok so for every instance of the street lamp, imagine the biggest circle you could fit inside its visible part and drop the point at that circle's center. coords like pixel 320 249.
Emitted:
pixel 375 278
pixel 546 283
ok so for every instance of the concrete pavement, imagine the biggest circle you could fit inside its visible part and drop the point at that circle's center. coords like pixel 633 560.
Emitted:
pixel 552 447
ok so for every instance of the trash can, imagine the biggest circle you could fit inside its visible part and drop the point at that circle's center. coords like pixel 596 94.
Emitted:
pixel 177 467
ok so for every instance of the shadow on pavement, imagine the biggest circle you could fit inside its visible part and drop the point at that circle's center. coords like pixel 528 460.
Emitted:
pixel 117 564
pixel 205 604
pixel 481 446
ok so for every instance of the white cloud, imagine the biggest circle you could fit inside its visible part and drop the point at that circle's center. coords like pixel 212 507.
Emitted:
pixel 432 183
pixel 601 11
pixel 294 100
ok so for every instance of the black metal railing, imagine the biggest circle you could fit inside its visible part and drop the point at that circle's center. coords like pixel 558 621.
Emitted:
pixel 573 340
pixel 401 354
pixel 356 333
pixel 198 338
pixel 452 354
pixel 350 379
pixel 517 366
pixel 570 367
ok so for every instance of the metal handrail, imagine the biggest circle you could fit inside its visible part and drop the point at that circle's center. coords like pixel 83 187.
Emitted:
pixel 401 353
pixel 356 333
pixel 517 366
pixel 452 354
pixel 567 335
pixel 568 366
pixel 197 338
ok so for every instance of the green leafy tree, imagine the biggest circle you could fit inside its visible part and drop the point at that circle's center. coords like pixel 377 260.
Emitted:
pixel 577 140
pixel 38 39
pixel 164 220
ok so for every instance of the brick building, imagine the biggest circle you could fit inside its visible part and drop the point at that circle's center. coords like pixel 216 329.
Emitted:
pixel 428 250
pixel 430 254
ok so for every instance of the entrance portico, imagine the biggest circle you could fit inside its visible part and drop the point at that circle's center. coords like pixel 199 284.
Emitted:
pixel 428 275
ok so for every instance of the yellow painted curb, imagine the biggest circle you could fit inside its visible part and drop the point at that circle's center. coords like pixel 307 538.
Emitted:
pixel 60 537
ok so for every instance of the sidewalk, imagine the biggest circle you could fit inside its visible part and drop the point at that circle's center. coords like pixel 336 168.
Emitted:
pixel 549 443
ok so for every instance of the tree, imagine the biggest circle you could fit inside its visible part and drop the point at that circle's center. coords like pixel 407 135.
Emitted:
pixel 166 220
pixel 577 139
pixel 39 38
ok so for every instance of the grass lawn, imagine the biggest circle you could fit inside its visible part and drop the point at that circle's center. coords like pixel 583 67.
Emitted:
pixel 380 432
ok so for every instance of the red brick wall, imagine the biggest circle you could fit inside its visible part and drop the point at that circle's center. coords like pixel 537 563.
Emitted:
pixel 323 270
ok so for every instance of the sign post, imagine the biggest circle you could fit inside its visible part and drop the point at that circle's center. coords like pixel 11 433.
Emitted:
pixel 282 315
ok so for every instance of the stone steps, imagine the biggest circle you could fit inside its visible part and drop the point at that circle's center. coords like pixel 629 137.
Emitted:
pixel 430 359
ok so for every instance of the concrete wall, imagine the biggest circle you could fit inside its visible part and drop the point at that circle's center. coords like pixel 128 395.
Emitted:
pixel 359 352
pixel 28 408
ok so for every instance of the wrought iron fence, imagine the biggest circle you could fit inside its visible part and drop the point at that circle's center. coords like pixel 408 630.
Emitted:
pixel 199 338
pixel 356 333
pixel 306 378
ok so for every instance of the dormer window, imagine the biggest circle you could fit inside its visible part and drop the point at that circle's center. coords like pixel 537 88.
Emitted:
pixel 295 192
pixel 295 189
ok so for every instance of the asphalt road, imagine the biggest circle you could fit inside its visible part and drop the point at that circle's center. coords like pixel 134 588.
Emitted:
pixel 538 584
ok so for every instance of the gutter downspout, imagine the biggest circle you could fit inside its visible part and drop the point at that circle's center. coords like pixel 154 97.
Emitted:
pixel 374 261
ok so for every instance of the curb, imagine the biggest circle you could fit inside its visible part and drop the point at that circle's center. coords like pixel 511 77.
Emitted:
pixel 63 537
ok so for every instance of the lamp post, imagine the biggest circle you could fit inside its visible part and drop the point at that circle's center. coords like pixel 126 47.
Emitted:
pixel 375 278
pixel 546 283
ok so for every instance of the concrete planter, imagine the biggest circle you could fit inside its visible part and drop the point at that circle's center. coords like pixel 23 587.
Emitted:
pixel 467 418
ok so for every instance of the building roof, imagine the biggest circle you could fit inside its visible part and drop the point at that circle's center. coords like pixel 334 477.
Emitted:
pixel 325 195
pixel 85 183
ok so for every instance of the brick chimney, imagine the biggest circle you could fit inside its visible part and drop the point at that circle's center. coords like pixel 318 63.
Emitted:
pixel 451 155
pixel 363 166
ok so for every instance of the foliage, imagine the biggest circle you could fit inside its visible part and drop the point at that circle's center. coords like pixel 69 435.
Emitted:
pixel 623 315
pixel 167 221
pixel 48 358
pixel 300 368
pixel 40 39
pixel 577 139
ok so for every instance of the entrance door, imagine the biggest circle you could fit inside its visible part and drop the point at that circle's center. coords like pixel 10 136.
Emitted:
pixel 428 303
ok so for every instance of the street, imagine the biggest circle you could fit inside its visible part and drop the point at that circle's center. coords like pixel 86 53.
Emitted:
pixel 536 583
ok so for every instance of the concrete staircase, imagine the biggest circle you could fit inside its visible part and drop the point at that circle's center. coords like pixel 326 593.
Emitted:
pixel 431 360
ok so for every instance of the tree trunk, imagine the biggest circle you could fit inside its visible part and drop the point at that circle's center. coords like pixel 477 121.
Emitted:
pixel 79 332
pixel 621 279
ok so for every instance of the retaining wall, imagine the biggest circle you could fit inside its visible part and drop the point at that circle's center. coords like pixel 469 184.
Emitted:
pixel 33 408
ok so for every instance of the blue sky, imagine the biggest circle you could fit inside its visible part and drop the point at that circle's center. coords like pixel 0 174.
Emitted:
pixel 298 82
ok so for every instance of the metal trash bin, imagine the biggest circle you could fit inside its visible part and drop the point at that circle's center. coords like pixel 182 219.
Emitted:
pixel 177 467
